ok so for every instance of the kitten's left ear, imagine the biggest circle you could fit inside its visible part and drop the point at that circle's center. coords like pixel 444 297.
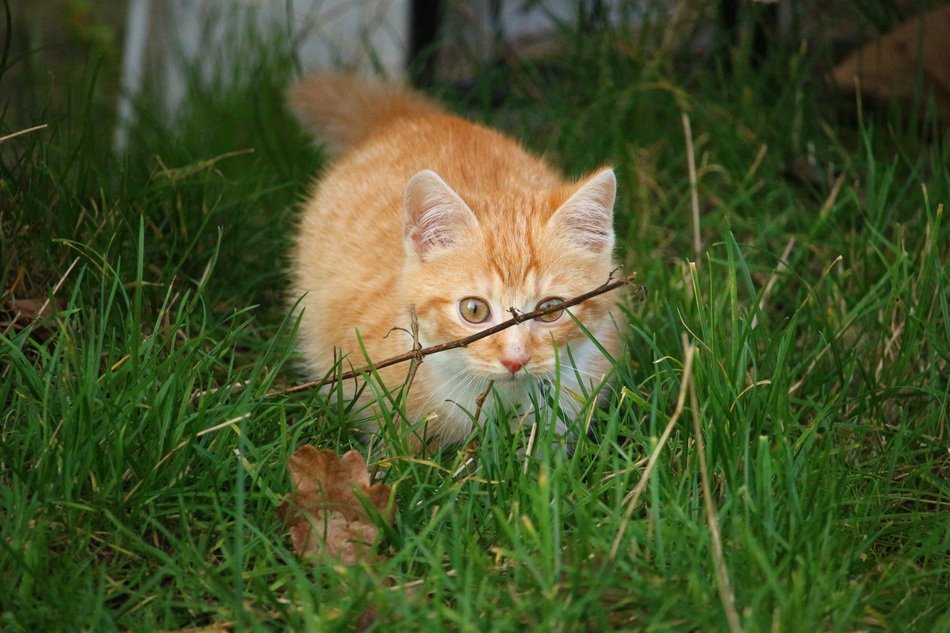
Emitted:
pixel 586 219
pixel 437 218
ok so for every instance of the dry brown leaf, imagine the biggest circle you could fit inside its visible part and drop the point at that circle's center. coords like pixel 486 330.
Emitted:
pixel 22 312
pixel 324 511
pixel 888 67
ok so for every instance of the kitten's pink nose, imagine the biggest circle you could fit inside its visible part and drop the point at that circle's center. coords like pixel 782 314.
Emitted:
pixel 515 363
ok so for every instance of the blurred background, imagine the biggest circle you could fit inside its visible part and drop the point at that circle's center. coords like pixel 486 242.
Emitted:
pixel 153 50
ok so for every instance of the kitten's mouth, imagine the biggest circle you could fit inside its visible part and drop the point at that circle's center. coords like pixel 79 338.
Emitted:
pixel 519 377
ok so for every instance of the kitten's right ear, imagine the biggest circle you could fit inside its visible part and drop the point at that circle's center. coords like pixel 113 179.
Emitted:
pixel 436 217
pixel 585 220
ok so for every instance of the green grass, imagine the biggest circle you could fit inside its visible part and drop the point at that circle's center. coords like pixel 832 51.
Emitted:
pixel 820 386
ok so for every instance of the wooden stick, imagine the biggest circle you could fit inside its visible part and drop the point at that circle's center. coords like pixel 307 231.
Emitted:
pixel 420 353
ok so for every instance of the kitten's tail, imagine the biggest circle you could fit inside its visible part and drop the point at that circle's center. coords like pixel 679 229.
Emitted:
pixel 342 110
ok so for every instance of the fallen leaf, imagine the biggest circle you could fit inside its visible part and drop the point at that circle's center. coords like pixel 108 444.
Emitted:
pixel 22 312
pixel 324 511
pixel 890 66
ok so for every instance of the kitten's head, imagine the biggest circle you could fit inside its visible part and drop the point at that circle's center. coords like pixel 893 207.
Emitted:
pixel 468 263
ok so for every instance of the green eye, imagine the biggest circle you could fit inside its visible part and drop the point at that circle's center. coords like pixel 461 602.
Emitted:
pixel 474 310
pixel 550 302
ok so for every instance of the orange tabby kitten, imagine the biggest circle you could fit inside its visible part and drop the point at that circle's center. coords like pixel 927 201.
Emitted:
pixel 421 207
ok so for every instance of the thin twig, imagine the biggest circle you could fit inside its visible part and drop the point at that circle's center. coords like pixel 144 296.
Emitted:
pixel 480 400
pixel 468 340
pixel 726 595
pixel 414 362
pixel 634 495
pixel 693 187
pixel 416 347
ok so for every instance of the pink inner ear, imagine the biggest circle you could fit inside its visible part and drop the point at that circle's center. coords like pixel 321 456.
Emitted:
pixel 586 219
pixel 436 216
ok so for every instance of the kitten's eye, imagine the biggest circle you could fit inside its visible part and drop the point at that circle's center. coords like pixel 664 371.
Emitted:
pixel 474 310
pixel 548 303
